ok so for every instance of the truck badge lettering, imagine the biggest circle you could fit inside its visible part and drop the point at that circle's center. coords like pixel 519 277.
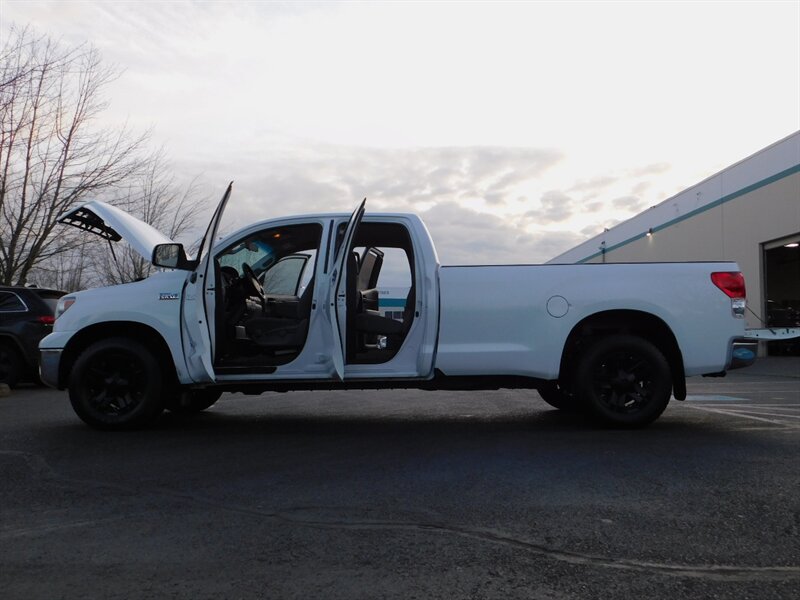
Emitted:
pixel 168 296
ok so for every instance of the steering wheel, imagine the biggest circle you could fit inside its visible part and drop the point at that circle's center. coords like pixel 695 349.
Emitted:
pixel 253 285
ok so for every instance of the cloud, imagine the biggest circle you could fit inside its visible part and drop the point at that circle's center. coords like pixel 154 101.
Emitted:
pixel 323 177
pixel 592 206
pixel 433 182
pixel 652 169
pixel 465 236
pixel 594 184
pixel 630 203
pixel 416 175
pixel 591 231
pixel 593 187
pixel 445 185
pixel 641 187
pixel 555 206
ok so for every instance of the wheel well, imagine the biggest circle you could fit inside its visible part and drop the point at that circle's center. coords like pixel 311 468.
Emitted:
pixel 126 329
pixel 11 341
pixel 632 322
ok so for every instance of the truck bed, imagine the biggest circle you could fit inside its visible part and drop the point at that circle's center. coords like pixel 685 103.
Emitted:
pixel 515 319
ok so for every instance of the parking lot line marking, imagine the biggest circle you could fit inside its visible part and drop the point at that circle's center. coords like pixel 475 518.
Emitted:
pixel 766 414
pixel 744 384
pixel 714 398
pixel 743 416
pixel 747 391
pixel 789 407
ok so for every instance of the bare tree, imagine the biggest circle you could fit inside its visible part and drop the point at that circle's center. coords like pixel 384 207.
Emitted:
pixel 152 196
pixel 52 153
pixel 155 198
pixel 70 270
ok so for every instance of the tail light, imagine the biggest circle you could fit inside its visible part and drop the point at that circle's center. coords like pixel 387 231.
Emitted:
pixel 46 320
pixel 732 285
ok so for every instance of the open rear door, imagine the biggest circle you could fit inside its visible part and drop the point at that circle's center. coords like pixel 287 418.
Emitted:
pixel 337 301
pixel 199 301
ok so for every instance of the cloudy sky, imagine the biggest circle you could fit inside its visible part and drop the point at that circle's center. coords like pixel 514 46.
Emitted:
pixel 516 130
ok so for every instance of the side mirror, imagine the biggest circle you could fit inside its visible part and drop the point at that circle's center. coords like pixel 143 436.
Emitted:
pixel 171 256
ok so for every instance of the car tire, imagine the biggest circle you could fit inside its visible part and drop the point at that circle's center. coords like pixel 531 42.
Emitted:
pixel 624 381
pixel 11 365
pixel 557 397
pixel 193 401
pixel 116 384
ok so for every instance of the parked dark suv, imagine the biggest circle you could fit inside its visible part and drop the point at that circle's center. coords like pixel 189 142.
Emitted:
pixel 26 316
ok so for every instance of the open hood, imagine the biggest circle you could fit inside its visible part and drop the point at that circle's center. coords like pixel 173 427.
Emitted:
pixel 113 224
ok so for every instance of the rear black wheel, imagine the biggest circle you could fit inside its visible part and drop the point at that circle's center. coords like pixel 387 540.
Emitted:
pixel 11 364
pixel 624 380
pixel 116 384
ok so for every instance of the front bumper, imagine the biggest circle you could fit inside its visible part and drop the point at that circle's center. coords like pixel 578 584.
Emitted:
pixel 49 362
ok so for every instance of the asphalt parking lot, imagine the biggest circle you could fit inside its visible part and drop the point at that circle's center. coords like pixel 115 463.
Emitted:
pixel 399 494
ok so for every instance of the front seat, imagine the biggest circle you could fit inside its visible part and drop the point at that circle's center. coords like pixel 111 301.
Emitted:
pixel 278 333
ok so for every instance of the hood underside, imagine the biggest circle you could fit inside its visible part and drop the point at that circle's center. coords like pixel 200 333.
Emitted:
pixel 113 224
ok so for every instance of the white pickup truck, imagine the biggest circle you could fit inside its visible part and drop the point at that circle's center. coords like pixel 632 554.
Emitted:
pixel 293 304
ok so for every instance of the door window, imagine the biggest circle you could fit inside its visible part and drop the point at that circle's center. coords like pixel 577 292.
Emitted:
pixel 283 278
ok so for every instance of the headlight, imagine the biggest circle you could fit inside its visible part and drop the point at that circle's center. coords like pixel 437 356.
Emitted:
pixel 63 304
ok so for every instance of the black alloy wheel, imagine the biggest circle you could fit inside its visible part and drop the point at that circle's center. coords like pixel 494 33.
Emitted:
pixel 116 384
pixel 624 380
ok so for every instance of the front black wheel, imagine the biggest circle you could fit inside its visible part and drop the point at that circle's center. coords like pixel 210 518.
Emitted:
pixel 116 384
pixel 624 380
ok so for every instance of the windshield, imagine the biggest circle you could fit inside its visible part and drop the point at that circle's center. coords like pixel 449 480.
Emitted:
pixel 255 252
pixel 278 256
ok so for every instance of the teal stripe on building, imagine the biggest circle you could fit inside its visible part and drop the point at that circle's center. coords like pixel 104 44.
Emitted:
pixel 392 302
pixel 702 209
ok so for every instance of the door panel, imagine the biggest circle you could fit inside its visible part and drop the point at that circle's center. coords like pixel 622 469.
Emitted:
pixel 199 301
pixel 195 333
pixel 337 300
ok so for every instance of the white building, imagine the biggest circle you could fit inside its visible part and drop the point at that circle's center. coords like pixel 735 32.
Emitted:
pixel 748 213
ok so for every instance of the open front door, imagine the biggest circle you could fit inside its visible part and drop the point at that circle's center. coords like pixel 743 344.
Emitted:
pixel 337 300
pixel 199 301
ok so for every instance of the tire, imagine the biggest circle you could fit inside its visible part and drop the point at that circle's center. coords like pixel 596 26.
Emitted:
pixel 193 401
pixel 555 396
pixel 116 384
pixel 624 381
pixel 12 366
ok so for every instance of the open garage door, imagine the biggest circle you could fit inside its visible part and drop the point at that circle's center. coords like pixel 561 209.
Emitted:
pixel 782 290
